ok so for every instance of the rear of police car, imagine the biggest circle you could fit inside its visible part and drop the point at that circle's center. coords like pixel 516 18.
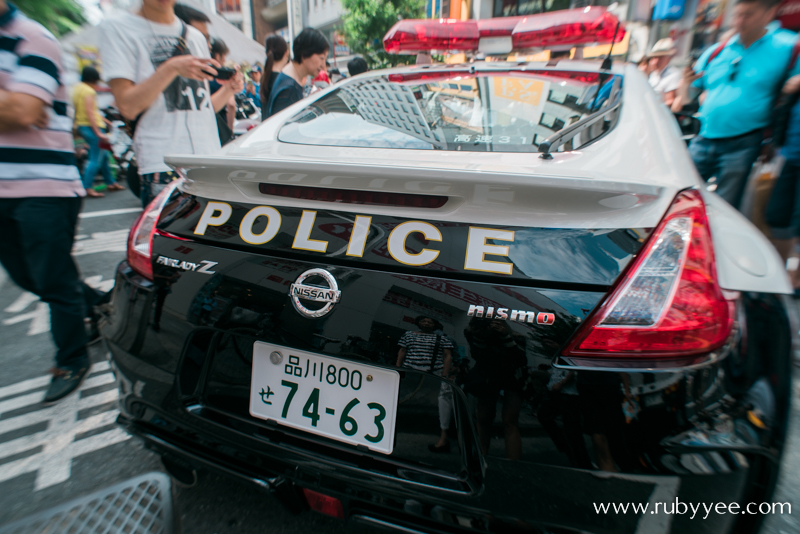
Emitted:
pixel 606 341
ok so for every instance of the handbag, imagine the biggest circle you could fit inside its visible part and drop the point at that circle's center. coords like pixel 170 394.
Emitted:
pixel 758 191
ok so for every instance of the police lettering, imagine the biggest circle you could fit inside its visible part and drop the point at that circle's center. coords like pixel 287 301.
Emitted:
pixel 480 241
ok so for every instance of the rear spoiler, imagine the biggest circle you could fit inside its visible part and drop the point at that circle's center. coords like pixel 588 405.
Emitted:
pixel 478 194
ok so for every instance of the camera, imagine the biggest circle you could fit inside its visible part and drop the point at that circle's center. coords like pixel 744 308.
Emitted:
pixel 225 73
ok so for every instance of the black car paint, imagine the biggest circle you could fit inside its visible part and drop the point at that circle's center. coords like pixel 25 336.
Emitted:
pixel 184 385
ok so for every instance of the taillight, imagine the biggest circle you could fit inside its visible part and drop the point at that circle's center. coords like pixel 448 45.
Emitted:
pixel 324 504
pixel 668 306
pixel 140 239
pixel 353 196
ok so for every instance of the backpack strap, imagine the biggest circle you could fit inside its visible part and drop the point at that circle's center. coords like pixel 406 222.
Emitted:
pixel 717 51
pixel 793 58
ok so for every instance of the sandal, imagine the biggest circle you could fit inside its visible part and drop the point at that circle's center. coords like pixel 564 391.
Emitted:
pixel 116 187
pixel 92 193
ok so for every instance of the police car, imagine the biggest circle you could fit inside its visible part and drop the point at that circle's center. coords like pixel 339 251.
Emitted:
pixel 480 297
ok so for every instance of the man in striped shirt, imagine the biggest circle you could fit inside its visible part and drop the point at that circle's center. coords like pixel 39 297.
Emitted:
pixel 40 188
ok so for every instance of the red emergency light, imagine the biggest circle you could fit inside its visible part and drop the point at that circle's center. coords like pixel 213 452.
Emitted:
pixel 574 27
pixel 590 25
pixel 412 36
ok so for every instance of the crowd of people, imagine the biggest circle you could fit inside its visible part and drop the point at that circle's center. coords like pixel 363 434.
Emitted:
pixel 745 91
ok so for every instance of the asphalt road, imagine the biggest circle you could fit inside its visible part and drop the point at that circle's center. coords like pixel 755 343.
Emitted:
pixel 50 455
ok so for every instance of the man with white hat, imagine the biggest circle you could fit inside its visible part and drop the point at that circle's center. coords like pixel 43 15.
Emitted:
pixel 664 79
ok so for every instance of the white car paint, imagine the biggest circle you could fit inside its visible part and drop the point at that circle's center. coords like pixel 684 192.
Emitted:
pixel 626 179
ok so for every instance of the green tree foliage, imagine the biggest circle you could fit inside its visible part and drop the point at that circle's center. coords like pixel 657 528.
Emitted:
pixel 367 21
pixel 58 16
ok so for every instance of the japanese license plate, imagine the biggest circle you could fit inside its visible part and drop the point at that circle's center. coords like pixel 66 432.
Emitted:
pixel 338 399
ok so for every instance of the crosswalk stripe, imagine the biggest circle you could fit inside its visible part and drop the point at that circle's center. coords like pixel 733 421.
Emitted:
pixel 53 447
pixel 25 385
pixel 26 443
pixel 15 423
pixel 41 381
pixel 34 398
pixel 104 213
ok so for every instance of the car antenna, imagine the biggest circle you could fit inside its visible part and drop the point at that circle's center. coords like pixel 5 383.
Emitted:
pixel 546 146
pixel 606 65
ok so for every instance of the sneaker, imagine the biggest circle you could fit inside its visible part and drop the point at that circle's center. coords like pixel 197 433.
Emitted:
pixel 65 381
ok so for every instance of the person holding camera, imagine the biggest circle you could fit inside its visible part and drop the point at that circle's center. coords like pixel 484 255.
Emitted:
pixel 158 69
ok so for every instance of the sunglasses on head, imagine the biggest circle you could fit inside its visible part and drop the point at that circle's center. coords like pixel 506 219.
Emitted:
pixel 734 68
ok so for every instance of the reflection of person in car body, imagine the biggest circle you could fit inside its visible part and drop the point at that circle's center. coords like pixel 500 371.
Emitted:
pixel 562 399
pixel 427 351
pixel 499 366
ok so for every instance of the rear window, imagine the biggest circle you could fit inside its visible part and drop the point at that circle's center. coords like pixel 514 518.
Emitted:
pixel 484 112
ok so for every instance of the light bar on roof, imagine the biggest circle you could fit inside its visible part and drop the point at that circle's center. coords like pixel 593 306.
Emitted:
pixel 591 25
pixel 412 36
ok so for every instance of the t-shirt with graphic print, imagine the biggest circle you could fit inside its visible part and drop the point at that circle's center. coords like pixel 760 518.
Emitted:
pixel 181 120
pixel 419 349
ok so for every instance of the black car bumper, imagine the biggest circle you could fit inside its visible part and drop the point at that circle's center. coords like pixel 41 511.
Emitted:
pixel 483 493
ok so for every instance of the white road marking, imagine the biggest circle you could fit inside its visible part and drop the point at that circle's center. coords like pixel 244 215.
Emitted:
pixel 33 398
pixel 98 283
pixel 105 213
pixel 25 385
pixel 40 382
pixel 114 241
pixel 39 318
pixel 53 464
pixel 15 423
pixel 22 302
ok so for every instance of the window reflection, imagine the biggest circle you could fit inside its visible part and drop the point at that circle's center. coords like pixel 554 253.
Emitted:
pixel 463 113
